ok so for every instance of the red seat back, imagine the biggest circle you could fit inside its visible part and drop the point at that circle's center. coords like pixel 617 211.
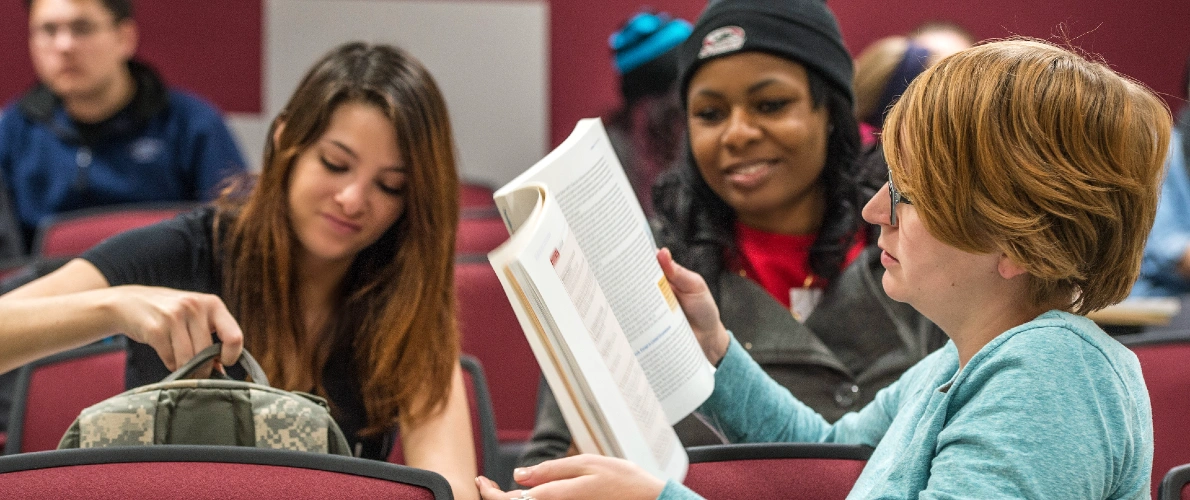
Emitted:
pixel 480 232
pixel 782 470
pixel 50 393
pixel 1166 368
pixel 223 472
pixel 473 194
pixel 72 233
pixel 493 335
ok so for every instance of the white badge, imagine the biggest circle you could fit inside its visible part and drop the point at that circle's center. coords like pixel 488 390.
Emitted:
pixel 802 302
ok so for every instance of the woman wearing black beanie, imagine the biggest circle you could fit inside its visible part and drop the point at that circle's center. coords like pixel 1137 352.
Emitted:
pixel 766 209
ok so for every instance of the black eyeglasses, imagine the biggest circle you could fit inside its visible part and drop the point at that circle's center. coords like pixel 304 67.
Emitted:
pixel 894 197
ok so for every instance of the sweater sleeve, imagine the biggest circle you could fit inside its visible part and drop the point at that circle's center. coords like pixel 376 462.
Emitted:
pixel 748 406
pixel 1045 424
pixel 675 491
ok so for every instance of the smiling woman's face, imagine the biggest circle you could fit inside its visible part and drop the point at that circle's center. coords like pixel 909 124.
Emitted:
pixel 756 136
pixel 347 188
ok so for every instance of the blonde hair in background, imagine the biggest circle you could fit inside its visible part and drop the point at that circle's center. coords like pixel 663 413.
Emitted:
pixel 873 68
pixel 1026 148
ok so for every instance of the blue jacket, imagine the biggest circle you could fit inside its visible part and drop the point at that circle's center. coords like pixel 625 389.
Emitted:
pixel 1170 238
pixel 166 145
pixel 1053 408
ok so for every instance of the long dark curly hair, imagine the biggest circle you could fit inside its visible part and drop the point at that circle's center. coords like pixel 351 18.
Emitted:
pixel 699 227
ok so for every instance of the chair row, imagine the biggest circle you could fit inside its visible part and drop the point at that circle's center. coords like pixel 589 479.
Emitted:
pixel 186 471
pixel 51 392
pixel 70 234
pixel 790 470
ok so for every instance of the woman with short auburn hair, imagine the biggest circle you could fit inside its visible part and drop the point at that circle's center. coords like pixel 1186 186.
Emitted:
pixel 1023 182
pixel 1074 208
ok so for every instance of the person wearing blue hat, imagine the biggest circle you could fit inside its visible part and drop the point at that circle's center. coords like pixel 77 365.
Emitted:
pixel 646 130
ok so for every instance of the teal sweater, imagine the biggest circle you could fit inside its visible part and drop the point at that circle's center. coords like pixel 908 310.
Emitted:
pixel 1053 408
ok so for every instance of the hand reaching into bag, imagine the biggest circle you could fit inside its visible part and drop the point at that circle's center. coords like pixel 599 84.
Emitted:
pixel 175 323
pixel 74 306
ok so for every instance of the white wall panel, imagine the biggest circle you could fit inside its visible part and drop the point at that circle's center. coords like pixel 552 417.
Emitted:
pixel 490 58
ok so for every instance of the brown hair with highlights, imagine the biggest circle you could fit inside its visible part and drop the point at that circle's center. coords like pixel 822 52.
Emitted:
pixel 1026 148
pixel 396 306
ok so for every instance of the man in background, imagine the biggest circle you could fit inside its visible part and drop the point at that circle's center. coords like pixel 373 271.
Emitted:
pixel 1165 271
pixel 100 127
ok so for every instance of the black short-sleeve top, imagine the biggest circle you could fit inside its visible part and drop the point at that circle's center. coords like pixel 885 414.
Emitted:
pixel 178 253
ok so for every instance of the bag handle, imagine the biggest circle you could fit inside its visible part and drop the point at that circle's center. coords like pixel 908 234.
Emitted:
pixel 246 361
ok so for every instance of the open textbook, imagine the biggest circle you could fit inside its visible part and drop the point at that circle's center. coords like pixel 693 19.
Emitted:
pixel 581 272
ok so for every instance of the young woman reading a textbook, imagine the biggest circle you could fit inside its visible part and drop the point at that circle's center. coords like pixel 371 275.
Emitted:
pixel 333 267
pixel 1023 180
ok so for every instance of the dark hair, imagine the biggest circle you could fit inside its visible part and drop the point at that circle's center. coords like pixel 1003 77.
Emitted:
pixel 1186 80
pixel 699 227
pixel 396 306
pixel 120 9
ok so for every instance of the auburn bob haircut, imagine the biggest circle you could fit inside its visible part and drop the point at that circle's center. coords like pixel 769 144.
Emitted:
pixel 1029 149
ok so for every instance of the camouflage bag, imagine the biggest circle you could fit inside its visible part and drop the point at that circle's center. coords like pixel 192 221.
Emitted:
pixel 213 411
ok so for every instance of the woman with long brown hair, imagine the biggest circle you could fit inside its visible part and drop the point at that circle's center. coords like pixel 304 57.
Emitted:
pixel 333 267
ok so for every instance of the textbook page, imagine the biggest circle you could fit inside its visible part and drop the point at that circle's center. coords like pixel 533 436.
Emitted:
pixel 584 354
pixel 586 179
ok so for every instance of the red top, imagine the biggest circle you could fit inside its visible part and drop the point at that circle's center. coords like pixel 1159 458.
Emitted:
pixel 781 262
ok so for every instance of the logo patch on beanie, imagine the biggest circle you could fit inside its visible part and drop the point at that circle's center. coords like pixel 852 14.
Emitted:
pixel 725 39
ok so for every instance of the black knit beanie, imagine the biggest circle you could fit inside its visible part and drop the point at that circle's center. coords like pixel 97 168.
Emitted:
pixel 803 31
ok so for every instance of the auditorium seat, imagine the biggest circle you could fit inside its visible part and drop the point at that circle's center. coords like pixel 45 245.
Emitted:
pixel 1176 485
pixel 816 471
pixel 71 233
pixel 51 392
pixel 480 232
pixel 202 472
pixel 1165 363
pixel 474 194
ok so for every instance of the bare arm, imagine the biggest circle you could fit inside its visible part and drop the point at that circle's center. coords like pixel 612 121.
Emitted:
pixel 443 442
pixel 74 306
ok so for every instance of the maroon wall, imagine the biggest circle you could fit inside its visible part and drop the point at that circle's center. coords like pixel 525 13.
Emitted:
pixel 1147 39
pixel 211 47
